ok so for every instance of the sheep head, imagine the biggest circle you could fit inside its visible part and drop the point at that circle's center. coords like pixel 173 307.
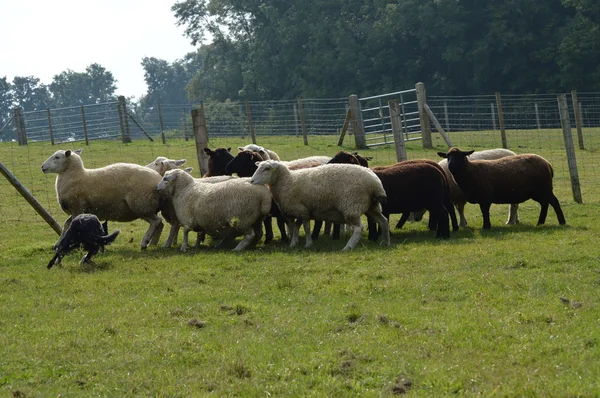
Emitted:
pixel 457 159
pixel 57 163
pixel 266 173
pixel 162 164
pixel 244 163
pixel 217 160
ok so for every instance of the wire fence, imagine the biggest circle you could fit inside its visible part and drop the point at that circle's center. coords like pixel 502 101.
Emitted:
pixel 532 125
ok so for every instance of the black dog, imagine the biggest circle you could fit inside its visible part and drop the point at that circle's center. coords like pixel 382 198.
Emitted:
pixel 85 230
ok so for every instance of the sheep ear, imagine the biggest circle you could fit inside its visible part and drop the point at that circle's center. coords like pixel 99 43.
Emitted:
pixel 369 157
pixel 68 153
pixel 257 164
pixel 208 151
pixel 180 162
pixel 188 170
pixel 241 149
pixel 78 151
pixel 442 154
pixel 469 153
pixel 229 149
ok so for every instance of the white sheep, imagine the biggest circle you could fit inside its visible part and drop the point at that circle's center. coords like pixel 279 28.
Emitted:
pixel 265 153
pixel 339 193
pixel 226 209
pixel 117 192
pixel 162 164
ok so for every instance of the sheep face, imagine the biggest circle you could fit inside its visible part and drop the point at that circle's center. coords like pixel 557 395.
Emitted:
pixel 57 163
pixel 344 157
pixel 266 172
pixel 162 164
pixel 218 159
pixel 244 163
pixel 166 184
pixel 457 159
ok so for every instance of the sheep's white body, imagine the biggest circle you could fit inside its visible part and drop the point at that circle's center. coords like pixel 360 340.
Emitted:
pixel 117 192
pixel 225 209
pixel 266 154
pixel 339 193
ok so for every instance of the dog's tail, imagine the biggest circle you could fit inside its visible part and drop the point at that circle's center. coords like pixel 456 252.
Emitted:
pixel 108 239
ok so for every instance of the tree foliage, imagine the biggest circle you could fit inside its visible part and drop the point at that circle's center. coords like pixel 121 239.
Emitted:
pixel 322 48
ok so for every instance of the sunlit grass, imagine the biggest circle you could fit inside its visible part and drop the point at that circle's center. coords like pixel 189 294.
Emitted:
pixel 508 311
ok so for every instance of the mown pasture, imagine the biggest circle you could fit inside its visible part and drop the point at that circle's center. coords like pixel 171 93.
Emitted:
pixel 510 311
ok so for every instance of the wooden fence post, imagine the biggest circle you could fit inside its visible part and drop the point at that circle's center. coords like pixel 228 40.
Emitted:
pixel 20 125
pixel 250 124
pixel 569 147
pixel 493 113
pixel 302 120
pixel 30 198
pixel 446 116
pixel 344 128
pixel 357 122
pixel 124 123
pixel 395 113
pixel 423 117
pixel 437 125
pixel 201 136
pixel 162 126
pixel 537 116
pixel 578 123
pixel 50 126
pixel 85 134
pixel 501 120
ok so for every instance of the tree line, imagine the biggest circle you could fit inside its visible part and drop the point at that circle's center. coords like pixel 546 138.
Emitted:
pixel 274 49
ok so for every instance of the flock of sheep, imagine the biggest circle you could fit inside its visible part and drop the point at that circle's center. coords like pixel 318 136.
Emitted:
pixel 337 191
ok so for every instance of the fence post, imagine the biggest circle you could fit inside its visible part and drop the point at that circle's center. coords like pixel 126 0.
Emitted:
pixel 20 125
pixel 397 130
pixel 249 120
pixel 162 126
pixel 572 162
pixel 297 128
pixel 185 134
pixel 501 120
pixel 493 116
pixel 578 123
pixel 446 116
pixel 124 123
pixel 85 135
pixel 357 123
pixel 537 116
pixel 302 120
pixel 50 126
pixel 201 136
pixel 423 117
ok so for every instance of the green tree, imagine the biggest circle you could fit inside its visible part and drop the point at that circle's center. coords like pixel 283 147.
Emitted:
pixel 29 94
pixel 94 86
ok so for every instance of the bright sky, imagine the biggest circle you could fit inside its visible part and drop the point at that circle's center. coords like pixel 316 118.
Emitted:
pixel 43 38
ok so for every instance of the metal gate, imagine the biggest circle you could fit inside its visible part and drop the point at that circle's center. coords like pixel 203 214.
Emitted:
pixel 376 117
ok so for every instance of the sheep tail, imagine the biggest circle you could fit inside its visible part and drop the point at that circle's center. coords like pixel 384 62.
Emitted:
pixel 378 198
pixel 108 239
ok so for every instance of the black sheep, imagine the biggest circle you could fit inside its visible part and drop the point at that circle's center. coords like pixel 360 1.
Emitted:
pixel 85 231
pixel 217 160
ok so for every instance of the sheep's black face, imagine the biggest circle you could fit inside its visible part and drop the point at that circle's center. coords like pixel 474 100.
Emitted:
pixel 344 157
pixel 457 159
pixel 244 164
pixel 218 160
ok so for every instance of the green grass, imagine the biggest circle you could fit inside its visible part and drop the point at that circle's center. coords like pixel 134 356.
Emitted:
pixel 510 311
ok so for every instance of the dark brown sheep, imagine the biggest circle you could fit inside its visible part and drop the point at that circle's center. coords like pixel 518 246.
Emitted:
pixel 416 184
pixel 512 179
pixel 217 160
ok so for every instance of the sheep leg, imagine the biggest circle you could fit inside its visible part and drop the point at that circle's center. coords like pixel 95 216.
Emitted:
pixel 268 229
pixel 543 213
pixel 282 231
pixel 460 207
pixel 443 227
pixel 337 229
pixel 382 222
pixel 184 239
pixel 403 220
pixel 249 237
pixel 199 239
pixel 317 229
pixel 558 210
pixel 485 212
pixel 372 226
pixel 513 214
pixel 173 231
pixel 357 228
pixel 155 228
pixel 294 232
pixel 450 210
pixel 309 241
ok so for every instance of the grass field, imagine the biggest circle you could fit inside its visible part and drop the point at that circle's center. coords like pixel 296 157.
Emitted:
pixel 510 311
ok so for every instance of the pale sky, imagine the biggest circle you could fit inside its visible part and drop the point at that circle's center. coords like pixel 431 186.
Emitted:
pixel 43 38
